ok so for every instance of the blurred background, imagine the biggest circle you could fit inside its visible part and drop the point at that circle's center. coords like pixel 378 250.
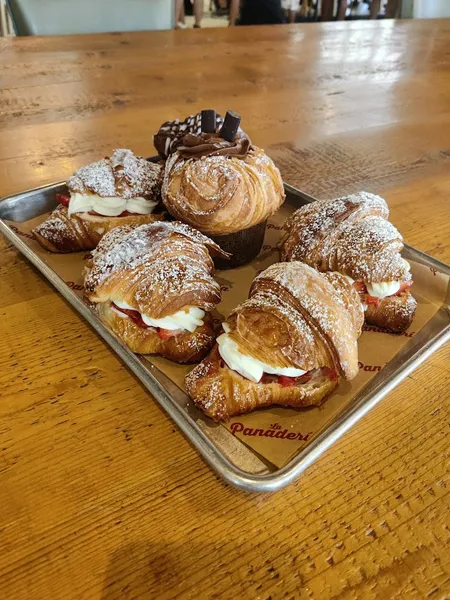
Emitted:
pixel 59 17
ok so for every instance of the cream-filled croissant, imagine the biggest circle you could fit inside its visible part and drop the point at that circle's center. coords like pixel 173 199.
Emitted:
pixel 153 286
pixel 353 236
pixel 119 190
pixel 288 344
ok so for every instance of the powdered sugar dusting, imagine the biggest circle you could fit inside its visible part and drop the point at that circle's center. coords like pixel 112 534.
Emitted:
pixel 407 308
pixel 311 224
pixel 54 225
pixel 350 235
pixel 123 174
pixel 297 279
pixel 152 267
pixel 319 305
pixel 123 248
pixel 369 250
pixel 265 300
pixel 194 235
pixel 60 230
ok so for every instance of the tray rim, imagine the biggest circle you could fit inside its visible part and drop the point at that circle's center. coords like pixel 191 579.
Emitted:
pixel 267 482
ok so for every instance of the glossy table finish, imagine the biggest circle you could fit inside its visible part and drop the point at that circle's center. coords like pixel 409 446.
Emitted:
pixel 101 496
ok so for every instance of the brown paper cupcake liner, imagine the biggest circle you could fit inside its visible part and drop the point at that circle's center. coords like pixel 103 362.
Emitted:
pixel 243 245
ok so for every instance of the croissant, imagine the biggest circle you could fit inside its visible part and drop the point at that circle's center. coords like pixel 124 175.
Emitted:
pixel 153 286
pixel 221 195
pixel 352 235
pixel 288 344
pixel 119 190
pixel 83 231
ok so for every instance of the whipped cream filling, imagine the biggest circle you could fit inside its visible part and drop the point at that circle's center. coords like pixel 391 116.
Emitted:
pixel 188 319
pixel 109 207
pixel 247 366
pixel 383 289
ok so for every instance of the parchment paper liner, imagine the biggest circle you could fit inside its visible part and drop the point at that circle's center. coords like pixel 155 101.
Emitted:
pixel 277 434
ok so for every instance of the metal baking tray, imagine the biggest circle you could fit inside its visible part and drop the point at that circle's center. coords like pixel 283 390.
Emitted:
pixel 226 454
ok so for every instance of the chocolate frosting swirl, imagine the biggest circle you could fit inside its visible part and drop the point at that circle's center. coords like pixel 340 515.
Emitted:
pixel 170 134
pixel 211 144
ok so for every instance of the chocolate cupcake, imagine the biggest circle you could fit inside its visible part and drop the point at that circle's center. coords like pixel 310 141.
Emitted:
pixel 222 185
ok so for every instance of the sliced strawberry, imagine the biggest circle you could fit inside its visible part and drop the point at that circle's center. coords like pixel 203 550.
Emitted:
pixel 330 373
pixel 125 213
pixel 137 319
pixel 267 378
pixel 404 286
pixel 360 287
pixel 372 300
pixel 165 334
pixel 134 315
pixel 285 381
pixel 62 199
pixel 304 378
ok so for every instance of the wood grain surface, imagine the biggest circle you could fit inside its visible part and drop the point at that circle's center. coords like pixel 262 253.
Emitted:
pixel 100 495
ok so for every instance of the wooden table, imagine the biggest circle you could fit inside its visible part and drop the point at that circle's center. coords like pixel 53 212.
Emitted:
pixel 100 495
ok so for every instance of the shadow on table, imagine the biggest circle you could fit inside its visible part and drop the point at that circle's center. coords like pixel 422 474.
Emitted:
pixel 137 571
pixel 149 570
